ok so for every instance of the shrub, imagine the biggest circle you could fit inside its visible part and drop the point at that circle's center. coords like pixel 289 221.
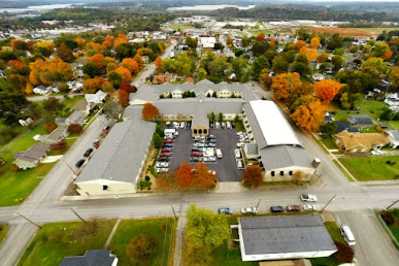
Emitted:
pixel 344 254
pixel 59 146
pixel 141 248
pixel 50 126
pixel 7 134
pixel 252 176
pixel 75 129
pixel 388 217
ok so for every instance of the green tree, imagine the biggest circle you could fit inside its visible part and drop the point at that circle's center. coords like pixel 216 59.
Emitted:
pixel 205 231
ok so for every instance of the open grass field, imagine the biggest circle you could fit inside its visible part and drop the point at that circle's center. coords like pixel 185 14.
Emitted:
pixel 372 167
pixel 162 230
pixel 357 32
pixel 55 241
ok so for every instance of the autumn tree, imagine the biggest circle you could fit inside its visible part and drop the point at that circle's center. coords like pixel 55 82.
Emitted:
pixel 75 129
pixel 131 65
pixel 120 39
pixel 284 84
pixel 327 89
pixel 150 112
pixel 310 53
pixel 203 178
pixel 49 71
pixel 123 97
pixel 158 63
pixel 108 42
pixel 299 44
pixel 184 175
pixel 394 77
pixel 140 249
pixel 65 53
pixel 309 116
pixel 92 85
pixel 265 79
pixel 252 176
pixel 315 42
pixel 124 73
pixel 260 37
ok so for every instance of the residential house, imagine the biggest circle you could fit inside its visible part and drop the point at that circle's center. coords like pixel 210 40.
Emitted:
pixel 55 136
pixel 345 126
pixel 392 100
pixel 31 157
pixel 99 257
pixel 95 99
pixel 360 142
pixel 77 117
pixel 207 42
pixel 361 121
pixel 393 136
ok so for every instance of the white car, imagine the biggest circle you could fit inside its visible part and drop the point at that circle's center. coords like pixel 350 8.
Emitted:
pixel 249 210
pixel 309 207
pixel 219 153
pixel 162 164
pixel 237 153
pixel 228 124
pixel 306 197
pixel 182 125
pixel 240 164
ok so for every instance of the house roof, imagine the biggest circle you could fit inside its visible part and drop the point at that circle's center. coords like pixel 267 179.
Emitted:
pixel 360 120
pixel 284 234
pixel 120 156
pixel 98 257
pixel 269 125
pixel 280 156
pixel 345 126
pixel 34 153
pixel 362 141
pixel 394 134
pixel 96 98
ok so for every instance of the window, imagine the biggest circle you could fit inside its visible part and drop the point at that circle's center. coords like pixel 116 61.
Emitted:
pixel 282 173
pixel 205 131
pixel 272 173
pixel 199 131
pixel 195 131
pixel 105 187
pixel 290 173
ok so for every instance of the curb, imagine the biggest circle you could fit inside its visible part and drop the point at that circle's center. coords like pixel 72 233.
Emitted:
pixel 386 228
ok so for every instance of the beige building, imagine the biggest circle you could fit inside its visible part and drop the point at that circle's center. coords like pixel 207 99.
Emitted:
pixel 360 142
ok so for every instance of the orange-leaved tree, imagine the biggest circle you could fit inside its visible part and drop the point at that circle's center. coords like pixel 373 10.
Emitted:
pixel 252 176
pixel 131 64
pixel 284 84
pixel 184 175
pixel 309 116
pixel 120 39
pixel 310 53
pixel 327 89
pixel 203 178
pixel 123 97
pixel 315 42
pixel 150 112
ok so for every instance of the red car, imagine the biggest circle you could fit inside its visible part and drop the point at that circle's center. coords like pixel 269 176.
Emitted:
pixel 166 154
pixel 168 141
pixel 166 150
pixel 196 154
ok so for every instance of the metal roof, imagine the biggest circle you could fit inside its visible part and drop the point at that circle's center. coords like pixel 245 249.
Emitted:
pixel 284 234
pixel 120 156
pixel 275 157
pixel 274 127
pixel 98 257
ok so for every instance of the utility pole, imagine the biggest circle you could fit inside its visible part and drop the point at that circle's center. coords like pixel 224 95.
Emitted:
pixel 391 205
pixel 328 202
pixel 77 215
pixel 174 212
pixel 258 204
pixel 29 220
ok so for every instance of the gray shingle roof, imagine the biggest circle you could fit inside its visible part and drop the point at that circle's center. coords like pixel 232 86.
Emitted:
pixel 284 234
pixel 363 120
pixel 120 156
pixel 34 153
pixel 90 258
pixel 275 157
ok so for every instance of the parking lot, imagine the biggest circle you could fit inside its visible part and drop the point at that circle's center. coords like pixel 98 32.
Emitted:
pixel 226 140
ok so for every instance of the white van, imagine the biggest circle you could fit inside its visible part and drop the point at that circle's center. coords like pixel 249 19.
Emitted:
pixel 219 153
pixel 348 235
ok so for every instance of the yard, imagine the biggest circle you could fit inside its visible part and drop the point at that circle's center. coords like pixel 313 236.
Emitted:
pixel 55 241
pixel 162 230
pixel 372 167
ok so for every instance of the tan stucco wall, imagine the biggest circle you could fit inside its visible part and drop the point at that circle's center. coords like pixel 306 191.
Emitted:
pixel 308 173
pixel 95 187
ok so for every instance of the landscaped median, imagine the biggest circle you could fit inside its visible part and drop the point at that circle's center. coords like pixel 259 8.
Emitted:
pixel 390 220
pixel 55 241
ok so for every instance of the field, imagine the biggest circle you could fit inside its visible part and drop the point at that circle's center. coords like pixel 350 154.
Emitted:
pixel 357 32
pixel 162 230
pixel 55 241
pixel 372 167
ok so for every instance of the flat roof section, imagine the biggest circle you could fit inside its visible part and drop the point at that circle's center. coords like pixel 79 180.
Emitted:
pixel 284 234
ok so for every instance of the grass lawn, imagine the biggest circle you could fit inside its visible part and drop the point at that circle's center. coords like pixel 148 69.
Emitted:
pixel 371 107
pixel 329 142
pixel 230 256
pixel 161 229
pixel 372 167
pixel 394 228
pixel 55 241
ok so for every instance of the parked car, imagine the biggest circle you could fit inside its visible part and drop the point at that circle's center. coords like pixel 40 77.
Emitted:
pixel 164 159
pixel 161 164
pixel 309 207
pixel 276 209
pixel 306 197
pixel 196 154
pixel 169 140
pixel 168 145
pixel 240 164
pixel 347 234
pixel 166 150
pixel 88 152
pixel 228 124
pixel 223 125
pixel 237 153
pixel 165 153
pixel 182 125
pixel 161 170
pixel 212 145
pixel 294 208
pixel 196 159
pixel 217 125
pixel 219 153
pixel 225 210
pixel 249 210
pixel 79 163
pixel 209 159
